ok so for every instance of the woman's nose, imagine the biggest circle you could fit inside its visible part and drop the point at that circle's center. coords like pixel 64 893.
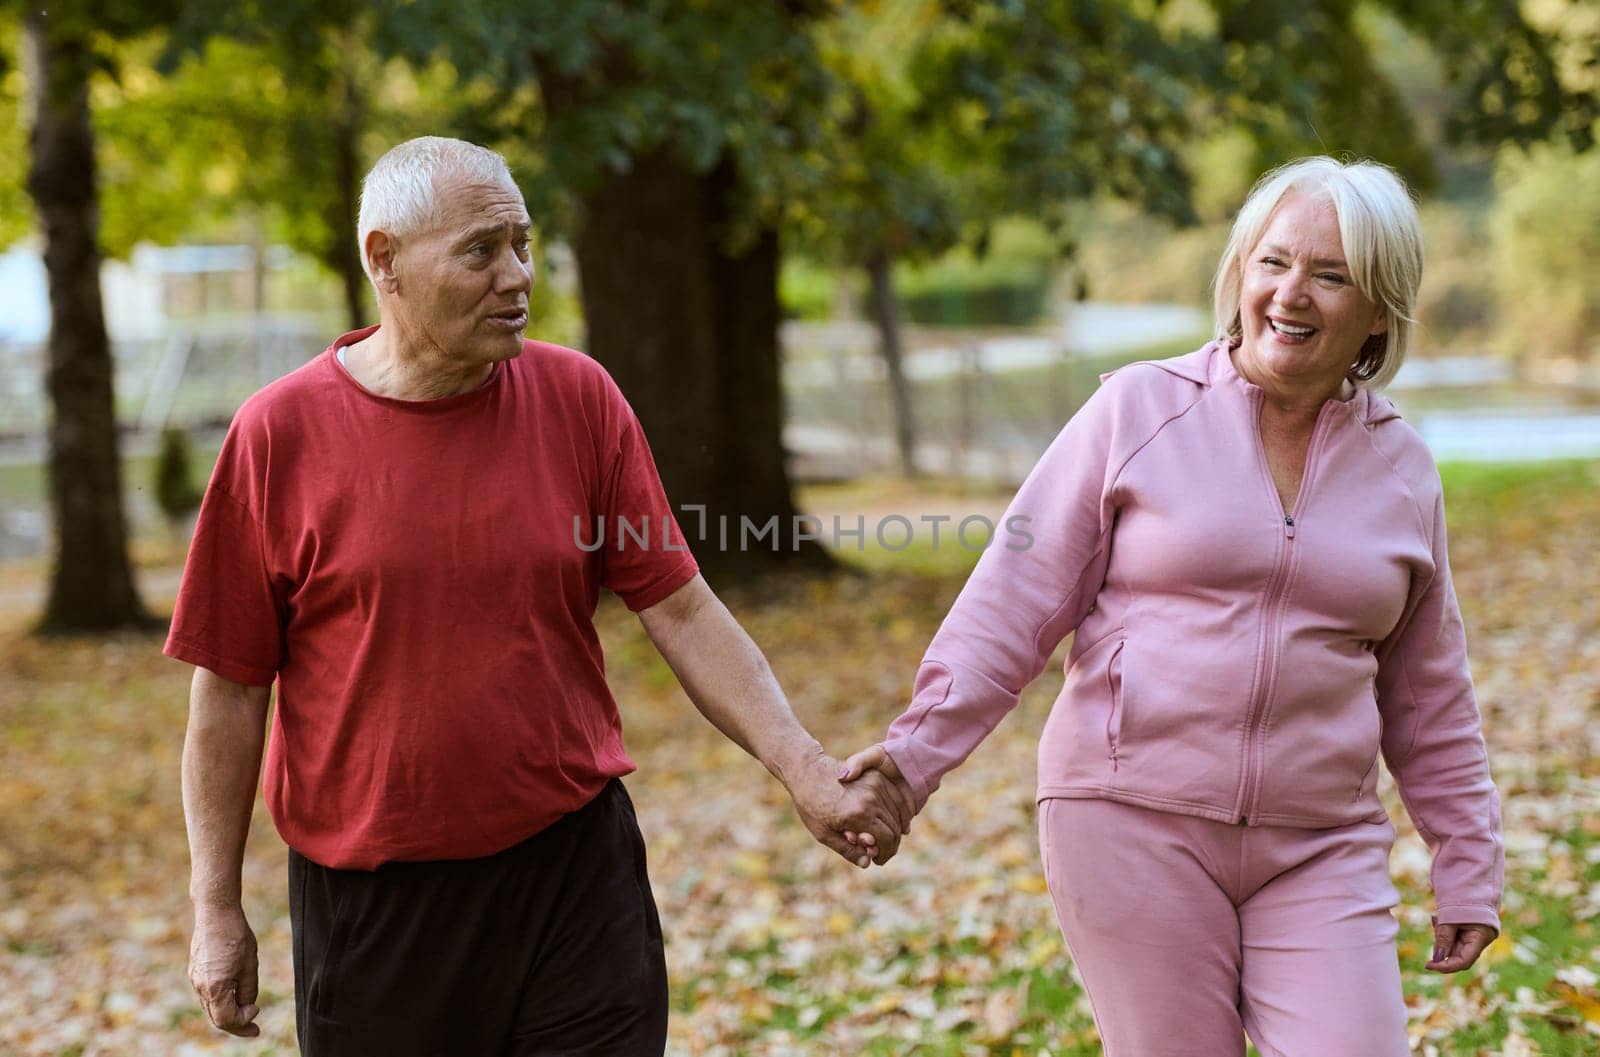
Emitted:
pixel 1292 289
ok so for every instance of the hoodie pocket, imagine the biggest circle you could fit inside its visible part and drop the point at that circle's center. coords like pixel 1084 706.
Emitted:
pixel 1369 777
pixel 1114 689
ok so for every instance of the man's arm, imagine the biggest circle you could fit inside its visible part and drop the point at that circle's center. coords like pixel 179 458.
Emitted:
pixel 221 764
pixel 730 682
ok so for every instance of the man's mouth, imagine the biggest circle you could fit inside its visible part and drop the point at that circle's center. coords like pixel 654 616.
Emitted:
pixel 510 319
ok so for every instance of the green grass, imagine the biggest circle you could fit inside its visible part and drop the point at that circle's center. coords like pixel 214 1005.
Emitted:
pixel 1496 489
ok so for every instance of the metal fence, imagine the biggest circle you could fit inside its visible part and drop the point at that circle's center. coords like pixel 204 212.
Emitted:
pixel 194 375
pixel 985 403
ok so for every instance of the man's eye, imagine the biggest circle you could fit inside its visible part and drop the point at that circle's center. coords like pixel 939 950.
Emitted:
pixel 522 247
pixel 480 250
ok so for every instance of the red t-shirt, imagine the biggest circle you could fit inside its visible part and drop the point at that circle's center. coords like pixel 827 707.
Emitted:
pixel 411 574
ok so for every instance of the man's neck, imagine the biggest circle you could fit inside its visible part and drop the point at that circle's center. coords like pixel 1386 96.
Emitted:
pixel 386 364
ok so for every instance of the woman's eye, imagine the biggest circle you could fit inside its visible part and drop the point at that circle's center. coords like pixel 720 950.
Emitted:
pixel 1330 277
pixel 1272 262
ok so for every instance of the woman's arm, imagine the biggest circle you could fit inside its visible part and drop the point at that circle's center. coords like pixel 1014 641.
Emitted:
pixel 1034 584
pixel 1433 745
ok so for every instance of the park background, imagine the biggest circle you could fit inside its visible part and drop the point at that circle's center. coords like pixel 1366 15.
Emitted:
pixel 851 259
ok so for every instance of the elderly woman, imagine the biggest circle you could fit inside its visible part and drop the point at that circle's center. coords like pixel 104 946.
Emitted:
pixel 1248 544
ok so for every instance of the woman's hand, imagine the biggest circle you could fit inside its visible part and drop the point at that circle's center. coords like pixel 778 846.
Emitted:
pixel 877 763
pixel 1456 947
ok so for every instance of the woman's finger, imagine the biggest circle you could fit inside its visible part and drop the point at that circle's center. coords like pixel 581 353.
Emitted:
pixel 871 758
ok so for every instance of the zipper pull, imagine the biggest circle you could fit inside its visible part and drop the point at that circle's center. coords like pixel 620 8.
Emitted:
pixel 1288 525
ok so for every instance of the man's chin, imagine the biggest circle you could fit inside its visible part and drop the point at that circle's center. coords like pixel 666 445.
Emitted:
pixel 508 347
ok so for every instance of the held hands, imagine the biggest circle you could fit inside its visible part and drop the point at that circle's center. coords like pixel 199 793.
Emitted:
pixel 1456 947
pixel 222 968
pixel 875 765
pixel 863 821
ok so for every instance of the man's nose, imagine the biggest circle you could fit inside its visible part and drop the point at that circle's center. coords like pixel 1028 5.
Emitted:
pixel 513 273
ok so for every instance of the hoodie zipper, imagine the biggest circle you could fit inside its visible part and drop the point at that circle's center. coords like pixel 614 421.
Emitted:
pixel 1276 597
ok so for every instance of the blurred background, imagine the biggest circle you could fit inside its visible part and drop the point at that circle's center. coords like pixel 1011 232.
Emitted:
pixel 844 258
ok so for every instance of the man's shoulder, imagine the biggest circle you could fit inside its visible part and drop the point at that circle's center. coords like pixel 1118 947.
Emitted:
pixel 303 388
pixel 569 375
pixel 562 363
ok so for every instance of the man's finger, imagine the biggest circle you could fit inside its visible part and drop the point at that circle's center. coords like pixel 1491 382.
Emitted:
pixel 834 841
pixel 222 1006
pixel 249 988
pixel 886 838
pixel 877 767
pixel 893 799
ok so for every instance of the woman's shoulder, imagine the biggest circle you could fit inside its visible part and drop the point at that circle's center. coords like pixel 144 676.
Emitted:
pixel 1399 442
pixel 1153 389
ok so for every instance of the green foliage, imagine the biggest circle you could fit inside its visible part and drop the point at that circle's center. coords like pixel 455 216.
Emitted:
pixel 1458 307
pixel 1005 287
pixel 175 490
pixel 16 211
pixel 1546 225
pixel 591 85
pixel 807 290
pixel 1130 256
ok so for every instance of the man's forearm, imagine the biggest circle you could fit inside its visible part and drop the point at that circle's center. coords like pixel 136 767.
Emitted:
pixel 730 682
pixel 728 679
pixel 221 764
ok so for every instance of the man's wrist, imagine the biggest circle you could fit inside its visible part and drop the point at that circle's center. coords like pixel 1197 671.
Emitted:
pixel 794 762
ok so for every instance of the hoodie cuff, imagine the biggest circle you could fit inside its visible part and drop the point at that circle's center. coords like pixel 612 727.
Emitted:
pixel 1467 914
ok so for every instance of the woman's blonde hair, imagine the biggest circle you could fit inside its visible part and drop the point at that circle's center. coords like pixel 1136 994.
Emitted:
pixel 1382 244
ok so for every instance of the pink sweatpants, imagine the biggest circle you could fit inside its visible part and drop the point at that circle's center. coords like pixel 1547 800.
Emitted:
pixel 1190 933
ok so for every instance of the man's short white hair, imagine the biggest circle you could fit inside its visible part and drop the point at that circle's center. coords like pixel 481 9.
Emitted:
pixel 400 193
pixel 1382 244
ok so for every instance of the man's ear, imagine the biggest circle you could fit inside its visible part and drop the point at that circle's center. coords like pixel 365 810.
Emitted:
pixel 381 250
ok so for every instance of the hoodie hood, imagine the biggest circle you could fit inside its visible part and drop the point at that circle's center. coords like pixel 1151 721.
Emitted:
pixel 1211 364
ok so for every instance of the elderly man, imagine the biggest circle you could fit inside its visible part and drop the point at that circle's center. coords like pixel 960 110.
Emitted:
pixel 389 536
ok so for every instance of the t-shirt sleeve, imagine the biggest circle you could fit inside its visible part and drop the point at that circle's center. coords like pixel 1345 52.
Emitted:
pixel 647 558
pixel 228 617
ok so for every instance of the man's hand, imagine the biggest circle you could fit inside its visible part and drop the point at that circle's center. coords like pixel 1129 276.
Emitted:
pixel 1456 947
pixel 873 764
pixel 222 968
pixel 731 684
pixel 868 811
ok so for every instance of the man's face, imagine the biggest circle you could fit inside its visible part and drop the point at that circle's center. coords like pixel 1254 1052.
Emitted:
pixel 463 286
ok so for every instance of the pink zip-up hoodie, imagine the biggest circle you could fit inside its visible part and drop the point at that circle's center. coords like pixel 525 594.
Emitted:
pixel 1232 660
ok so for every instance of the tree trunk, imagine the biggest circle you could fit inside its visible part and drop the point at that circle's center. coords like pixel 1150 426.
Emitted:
pixel 689 330
pixel 886 317
pixel 346 129
pixel 91 583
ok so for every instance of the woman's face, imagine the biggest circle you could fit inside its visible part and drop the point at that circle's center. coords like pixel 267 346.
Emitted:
pixel 1304 320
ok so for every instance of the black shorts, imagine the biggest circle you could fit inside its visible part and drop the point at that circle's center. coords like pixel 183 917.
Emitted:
pixel 551 947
